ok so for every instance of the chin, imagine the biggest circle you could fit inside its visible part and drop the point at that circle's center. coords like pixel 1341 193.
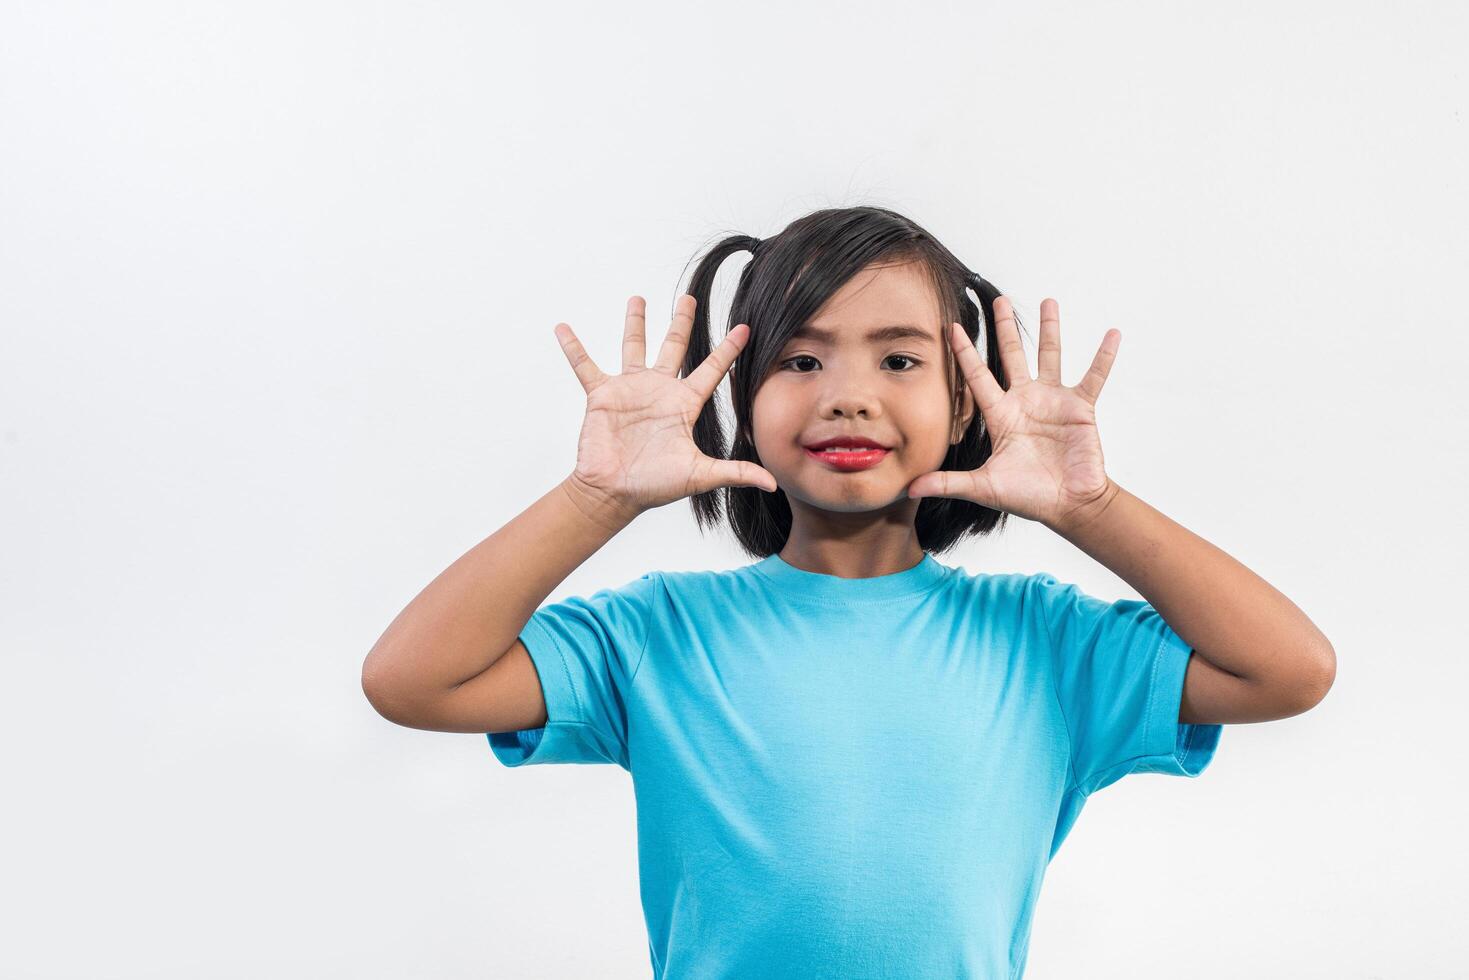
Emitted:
pixel 853 499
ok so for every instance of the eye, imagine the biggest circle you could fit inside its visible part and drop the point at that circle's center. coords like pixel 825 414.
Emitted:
pixel 914 362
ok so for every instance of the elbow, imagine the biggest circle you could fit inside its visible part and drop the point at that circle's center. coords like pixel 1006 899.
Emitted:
pixel 385 699
pixel 1318 681
pixel 374 691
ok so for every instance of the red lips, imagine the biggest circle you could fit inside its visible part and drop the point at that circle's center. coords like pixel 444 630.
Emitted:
pixel 861 442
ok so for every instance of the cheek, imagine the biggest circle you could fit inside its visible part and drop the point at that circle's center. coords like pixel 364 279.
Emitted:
pixel 776 429
pixel 774 418
pixel 773 441
pixel 928 426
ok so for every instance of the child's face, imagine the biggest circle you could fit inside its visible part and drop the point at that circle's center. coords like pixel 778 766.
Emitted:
pixel 892 391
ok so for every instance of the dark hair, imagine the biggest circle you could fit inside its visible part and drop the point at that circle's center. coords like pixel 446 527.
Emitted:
pixel 788 279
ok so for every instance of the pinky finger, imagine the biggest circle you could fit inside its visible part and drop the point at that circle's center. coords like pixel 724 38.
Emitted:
pixel 1090 385
pixel 581 362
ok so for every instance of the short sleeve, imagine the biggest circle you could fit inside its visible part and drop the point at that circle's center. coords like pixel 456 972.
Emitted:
pixel 1119 670
pixel 586 651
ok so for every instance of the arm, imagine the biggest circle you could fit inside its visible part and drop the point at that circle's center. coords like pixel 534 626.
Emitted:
pixel 431 667
pixel 451 660
pixel 1257 657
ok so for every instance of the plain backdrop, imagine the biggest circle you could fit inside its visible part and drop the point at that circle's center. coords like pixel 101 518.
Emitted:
pixel 277 290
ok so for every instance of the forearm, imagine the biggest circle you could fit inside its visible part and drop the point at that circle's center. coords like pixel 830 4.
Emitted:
pixel 1229 615
pixel 470 615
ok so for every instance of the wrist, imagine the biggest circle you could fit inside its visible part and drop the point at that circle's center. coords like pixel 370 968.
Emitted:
pixel 1084 514
pixel 598 506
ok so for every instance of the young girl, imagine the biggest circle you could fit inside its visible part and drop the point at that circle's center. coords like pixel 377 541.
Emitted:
pixel 849 760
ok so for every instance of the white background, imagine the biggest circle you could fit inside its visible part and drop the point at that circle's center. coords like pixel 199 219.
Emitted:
pixel 277 290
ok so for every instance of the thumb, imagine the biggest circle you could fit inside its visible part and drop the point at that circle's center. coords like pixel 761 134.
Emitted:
pixel 939 483
pixel 742 473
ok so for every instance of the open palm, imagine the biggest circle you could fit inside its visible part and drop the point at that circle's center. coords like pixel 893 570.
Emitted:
pixel 1046 460
pixel 636 448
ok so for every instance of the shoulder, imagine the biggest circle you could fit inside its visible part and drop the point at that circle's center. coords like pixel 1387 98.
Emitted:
pixel 708 584
pixel 996 586
pixel 993 603
pixel 1014 604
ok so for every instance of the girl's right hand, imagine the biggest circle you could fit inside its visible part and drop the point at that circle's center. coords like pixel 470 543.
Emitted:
pixel 636 449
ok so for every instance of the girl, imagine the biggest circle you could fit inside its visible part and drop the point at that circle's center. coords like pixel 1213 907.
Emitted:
pixel 849 760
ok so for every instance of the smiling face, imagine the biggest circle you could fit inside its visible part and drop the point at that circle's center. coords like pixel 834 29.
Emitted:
pixel 871 363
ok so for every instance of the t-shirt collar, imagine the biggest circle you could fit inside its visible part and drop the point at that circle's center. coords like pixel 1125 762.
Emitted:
pixel 799 582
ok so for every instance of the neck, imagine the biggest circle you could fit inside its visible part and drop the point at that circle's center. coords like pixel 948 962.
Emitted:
pixel 866 554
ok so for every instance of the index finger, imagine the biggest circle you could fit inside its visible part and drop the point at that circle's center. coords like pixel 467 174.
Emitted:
pixel 987 391
pixel 670 355
pixel 705 378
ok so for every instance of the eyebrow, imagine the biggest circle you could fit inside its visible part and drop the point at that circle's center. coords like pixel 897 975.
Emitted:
pixel 879 335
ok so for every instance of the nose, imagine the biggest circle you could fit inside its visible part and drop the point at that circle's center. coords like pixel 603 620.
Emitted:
pixel 850 405
pixel 848 398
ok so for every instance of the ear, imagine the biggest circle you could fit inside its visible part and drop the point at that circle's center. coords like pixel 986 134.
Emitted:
pixel 966 413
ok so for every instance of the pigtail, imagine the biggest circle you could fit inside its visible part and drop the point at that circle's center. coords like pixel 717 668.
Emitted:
pixel 708 429
pixel 987 294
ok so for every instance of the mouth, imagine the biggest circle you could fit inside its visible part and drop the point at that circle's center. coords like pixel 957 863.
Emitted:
pixel 849 458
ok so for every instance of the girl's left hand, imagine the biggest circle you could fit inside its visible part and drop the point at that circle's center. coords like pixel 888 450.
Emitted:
pixel 1046 459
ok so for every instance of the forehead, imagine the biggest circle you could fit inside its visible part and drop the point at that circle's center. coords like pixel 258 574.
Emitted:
pixel 878 304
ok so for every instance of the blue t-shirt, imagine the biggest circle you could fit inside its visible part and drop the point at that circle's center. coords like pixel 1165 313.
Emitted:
pixel 854 777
